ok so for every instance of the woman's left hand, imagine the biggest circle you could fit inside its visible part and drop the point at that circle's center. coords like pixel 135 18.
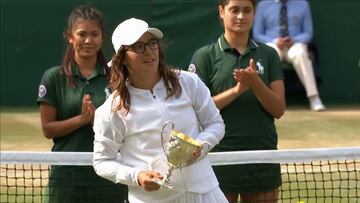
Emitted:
pixel 202 152
pixel 247 76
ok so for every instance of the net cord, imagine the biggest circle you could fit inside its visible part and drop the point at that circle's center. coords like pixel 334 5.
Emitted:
pixel 216 158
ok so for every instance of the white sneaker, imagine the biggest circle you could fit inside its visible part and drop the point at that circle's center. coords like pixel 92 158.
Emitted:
pixel 316 104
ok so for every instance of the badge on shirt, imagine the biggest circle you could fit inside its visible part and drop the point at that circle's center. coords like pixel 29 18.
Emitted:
pixel 192 68
pixel 42 91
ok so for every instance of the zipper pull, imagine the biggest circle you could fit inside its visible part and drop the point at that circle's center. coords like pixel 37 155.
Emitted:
pixel 152 93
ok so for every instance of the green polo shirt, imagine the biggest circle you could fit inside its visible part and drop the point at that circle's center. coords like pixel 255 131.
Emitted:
pixel 54 90
pixel 73 184
pixel 247 125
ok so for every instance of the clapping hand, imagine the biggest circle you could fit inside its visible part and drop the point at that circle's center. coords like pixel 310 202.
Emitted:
pixel 248 75
pixel 87 110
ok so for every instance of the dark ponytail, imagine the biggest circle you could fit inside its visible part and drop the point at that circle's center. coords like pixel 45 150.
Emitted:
pixel 84 12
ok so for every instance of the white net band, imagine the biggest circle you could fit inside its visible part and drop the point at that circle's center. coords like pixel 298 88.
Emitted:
pixel 217 158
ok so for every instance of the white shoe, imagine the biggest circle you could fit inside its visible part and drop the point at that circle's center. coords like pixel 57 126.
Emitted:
pixel 316 104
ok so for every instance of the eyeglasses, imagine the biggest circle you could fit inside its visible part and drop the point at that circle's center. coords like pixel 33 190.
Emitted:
pixel 139 48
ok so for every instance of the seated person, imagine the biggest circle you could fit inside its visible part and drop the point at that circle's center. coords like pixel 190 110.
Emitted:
pixel 286 25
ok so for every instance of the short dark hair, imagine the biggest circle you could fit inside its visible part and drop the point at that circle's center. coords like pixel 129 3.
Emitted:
pixel 223 3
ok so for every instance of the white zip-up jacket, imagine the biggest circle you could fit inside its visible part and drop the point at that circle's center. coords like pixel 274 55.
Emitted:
pixel 137 137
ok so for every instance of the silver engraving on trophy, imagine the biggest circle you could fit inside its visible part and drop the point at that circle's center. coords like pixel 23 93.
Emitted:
pixel 179 149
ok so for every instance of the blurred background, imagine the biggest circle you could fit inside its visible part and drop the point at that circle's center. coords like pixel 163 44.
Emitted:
pixel 32 41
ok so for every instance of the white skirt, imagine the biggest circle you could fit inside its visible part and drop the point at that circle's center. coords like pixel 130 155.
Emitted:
pixel 213 196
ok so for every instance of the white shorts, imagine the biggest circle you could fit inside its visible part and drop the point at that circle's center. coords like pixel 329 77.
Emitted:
pixel 213 196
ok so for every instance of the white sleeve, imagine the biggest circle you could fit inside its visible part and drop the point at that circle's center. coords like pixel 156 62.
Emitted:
pixel 108 139
pixel 211 122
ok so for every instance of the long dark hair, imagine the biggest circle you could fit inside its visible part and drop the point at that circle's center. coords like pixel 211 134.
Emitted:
pixel 84 12
pixel 119 75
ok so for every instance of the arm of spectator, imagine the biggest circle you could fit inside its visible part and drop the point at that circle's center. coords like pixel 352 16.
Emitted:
pixel 271 98
pixel 226 97
pixel 307 26
pixel 52 127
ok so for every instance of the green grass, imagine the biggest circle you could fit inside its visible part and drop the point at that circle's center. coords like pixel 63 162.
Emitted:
pixel 298 128
pixel 336 127
pixel 21 130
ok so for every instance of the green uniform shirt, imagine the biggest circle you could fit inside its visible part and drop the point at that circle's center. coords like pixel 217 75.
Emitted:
pixel 54 90
pixel 77 184
pixel 247 125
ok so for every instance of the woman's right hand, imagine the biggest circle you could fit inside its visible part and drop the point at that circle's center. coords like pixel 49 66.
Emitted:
pixel 145 180
pixel 239 88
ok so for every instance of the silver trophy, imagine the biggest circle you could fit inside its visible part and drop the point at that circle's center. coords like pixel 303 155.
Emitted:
pixel 180 150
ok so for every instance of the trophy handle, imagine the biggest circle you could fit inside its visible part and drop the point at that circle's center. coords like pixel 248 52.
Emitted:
pixel 166 130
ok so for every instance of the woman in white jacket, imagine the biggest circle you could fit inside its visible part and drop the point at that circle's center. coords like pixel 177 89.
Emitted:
pixel 146 94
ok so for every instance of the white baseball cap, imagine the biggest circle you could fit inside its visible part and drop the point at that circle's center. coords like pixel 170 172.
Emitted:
pixel 129 31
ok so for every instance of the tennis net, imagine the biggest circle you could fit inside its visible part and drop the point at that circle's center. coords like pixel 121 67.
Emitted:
pixel 308 175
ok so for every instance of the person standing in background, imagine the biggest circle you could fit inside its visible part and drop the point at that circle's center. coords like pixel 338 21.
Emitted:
pixel 68 96
pixel 246 83
pixel 286 25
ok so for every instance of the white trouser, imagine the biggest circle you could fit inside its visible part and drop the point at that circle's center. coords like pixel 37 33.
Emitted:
pixel 298 56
